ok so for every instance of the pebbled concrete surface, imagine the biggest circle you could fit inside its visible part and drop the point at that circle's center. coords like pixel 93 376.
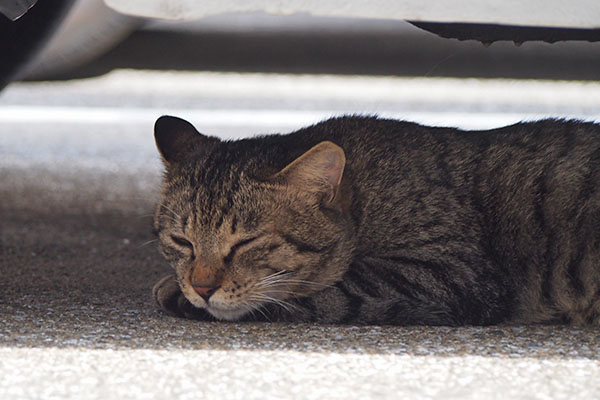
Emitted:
pixel 77 261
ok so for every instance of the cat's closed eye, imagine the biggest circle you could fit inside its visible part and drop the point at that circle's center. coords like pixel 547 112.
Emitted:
pixel 229 257
pixel 182 242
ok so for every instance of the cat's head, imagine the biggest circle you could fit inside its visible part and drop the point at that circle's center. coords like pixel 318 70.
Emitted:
pixel 242 232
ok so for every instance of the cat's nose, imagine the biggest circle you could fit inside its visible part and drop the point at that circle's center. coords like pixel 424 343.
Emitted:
pixel 205 291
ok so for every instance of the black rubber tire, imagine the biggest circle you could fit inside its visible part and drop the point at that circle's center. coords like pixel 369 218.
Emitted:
pixel 20 40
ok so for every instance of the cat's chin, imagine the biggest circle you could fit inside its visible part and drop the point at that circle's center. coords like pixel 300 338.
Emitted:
pixel 218 311
pixel 226 314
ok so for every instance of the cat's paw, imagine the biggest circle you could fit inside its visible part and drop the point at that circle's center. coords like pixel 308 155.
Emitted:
pixel 169 297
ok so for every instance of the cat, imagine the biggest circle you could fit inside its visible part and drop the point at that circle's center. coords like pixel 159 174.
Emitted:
pixel 362 220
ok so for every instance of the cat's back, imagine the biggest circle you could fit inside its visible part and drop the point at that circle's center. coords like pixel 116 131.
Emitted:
pixel 370 137
pixel 393 148
pixel 527 196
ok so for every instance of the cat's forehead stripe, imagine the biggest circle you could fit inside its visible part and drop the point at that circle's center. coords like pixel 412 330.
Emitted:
pixel 214 191
pixel 220 218
pixel 234 224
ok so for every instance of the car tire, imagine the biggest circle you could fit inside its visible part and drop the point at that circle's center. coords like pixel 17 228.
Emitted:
pixel 89 30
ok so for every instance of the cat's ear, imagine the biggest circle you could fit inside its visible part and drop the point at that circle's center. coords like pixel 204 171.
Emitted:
pixel 318 171
pixel 175 138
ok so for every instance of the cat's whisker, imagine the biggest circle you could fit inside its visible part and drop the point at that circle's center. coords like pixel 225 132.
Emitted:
pixel 272 279
pixel 248 308
pixel 171 210
pixel 147 243
pixel 305 282
pixel 286 281
pixel 269 282
pixel 170 218
pixel 284 304
pixel 258 308
pixel 252 308
pixel 277 274
pixel 281 291
pixel 264 286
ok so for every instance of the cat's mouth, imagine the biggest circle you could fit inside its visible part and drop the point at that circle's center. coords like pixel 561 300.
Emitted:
pixel 236 300
pixel 220 309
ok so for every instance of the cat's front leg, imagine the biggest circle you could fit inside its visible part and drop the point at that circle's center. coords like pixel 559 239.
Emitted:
pixel 347 302
pixel 169 298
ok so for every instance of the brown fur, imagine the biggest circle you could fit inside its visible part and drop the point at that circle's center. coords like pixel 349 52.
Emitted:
pixel 364 220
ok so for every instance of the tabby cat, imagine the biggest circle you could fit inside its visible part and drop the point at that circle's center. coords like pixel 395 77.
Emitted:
pixel 361 220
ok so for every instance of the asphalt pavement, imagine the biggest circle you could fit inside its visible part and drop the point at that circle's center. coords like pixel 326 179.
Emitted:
pixel 79 177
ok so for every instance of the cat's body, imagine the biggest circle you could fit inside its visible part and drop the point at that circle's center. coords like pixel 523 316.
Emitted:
pixel 407 225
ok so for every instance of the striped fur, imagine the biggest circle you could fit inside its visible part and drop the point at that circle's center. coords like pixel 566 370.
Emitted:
pixel 432 226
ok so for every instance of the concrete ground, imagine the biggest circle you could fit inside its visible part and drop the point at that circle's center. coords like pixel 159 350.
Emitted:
pixel 78 181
